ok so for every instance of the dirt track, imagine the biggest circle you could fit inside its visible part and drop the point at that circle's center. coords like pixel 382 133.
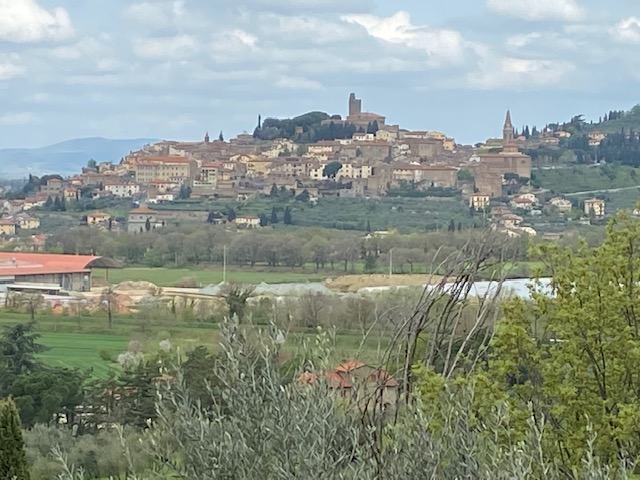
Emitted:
pixel 353 283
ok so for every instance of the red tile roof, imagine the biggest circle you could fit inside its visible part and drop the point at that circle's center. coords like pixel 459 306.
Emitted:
pixel 13 263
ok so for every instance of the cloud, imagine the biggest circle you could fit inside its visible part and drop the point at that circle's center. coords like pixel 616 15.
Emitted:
pixel 441 46
pixel 21 118
pixel 627 30
pixel 24 21
pixel 539 10
pixel 10 70
pixel 158 14
pixel 314 30
pixel 509 73
pixel 298 83
pixel 166 48
pixel 234 40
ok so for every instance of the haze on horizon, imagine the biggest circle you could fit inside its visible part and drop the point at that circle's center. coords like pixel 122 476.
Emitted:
pixel 177 68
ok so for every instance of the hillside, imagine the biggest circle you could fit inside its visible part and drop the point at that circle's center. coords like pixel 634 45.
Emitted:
pixel 65 157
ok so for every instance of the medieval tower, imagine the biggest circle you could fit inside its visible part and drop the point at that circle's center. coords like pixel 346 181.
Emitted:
pixel 355 105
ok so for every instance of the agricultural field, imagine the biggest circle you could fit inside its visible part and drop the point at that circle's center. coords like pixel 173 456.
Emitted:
pixel 165 277
pixel 581 178
pixel 86 343
pixel 405 215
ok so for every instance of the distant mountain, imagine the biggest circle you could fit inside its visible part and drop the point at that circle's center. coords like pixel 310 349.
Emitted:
pixel 66 157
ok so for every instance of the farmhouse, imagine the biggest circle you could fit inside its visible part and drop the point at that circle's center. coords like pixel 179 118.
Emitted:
pixel 68 272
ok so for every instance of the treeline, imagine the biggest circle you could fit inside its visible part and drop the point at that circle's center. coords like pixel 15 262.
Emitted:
pixel 193 245
pixel 307 128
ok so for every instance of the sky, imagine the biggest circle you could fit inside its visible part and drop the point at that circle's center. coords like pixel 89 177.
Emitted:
pixel 174 69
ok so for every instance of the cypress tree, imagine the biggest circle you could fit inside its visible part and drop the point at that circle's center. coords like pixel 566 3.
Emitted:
pixel 13 459
pixel 274 216
pixel 288 220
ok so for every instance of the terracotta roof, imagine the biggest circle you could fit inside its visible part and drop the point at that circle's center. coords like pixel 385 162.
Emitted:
pixel 349 366
pixel 142 211
pixel 13 263
pixel 98 214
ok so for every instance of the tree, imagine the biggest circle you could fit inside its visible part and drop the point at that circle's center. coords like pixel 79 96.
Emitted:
pixel 573 356
pixel 368 226
pixel 147 224
pixel 49 203
pixel 236 296
pixel 274 191
pixel 274 216
pixel 231 216
pixel 331 169
pixel 221 136
pixel 452 226
pixel 304 196
pixel 18 348
pixel 13 458
pixel 110 301
pixel 32 302
pixel 288 220
pixel 264 221
pixel 92 163
pixel 185 192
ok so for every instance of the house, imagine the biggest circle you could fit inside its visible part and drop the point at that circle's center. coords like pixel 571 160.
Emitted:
pixel 523 202
pixel 98 218
pixel 27 222
pixel 121 189
pixel 53 186
pixel 11 207
pixel 71 193
pixel 358 381
pixel 142 218
pixel 248 221
pixel 561 204
pixel 8 226
pixel 479 201
pixel 595 205
pixel 36 201
pixel 509 220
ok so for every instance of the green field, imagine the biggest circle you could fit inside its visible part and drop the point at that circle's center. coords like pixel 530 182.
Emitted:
pixel 165 277
pixel 77 342
pixel 581 178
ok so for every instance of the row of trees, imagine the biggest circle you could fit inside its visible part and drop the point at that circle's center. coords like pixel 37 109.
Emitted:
pixel 196 245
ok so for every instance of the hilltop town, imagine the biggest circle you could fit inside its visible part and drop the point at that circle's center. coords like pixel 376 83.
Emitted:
pixel 311 158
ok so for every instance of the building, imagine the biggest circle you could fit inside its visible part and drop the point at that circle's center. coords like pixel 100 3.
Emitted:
pixel 596 206
pixel 142 218
pixel 119 188
pixel 68 272
pixel 27 222
pixel 8 226
pixel 177 169
pixel 479 201
pixel 53 186
pixel 358 381
pixel 98 218
pixel 489 169
pixel 561 204
pixel 362 119
pixel 247 221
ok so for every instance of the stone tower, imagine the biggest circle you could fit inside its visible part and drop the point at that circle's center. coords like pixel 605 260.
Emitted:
pixel 355 105
pixel 206 137
pixel 507 130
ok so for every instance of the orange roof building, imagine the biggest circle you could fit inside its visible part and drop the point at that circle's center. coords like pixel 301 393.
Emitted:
pixel 69 272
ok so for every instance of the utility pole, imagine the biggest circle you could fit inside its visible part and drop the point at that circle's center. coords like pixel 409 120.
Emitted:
pixel 224 264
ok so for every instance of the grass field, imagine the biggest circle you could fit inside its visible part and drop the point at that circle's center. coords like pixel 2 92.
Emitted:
pixel 82 342
pixel 581 178
pixel 165 277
